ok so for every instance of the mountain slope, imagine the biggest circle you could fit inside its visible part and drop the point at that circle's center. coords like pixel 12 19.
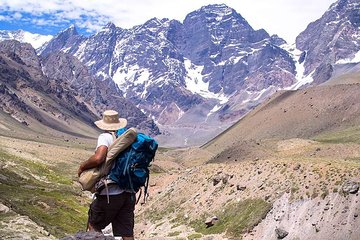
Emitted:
pixel 63 100
pixel 289 114
pixel 333 38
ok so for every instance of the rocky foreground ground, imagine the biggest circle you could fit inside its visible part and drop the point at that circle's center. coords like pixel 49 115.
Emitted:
pixel 306 189
pixel 291 189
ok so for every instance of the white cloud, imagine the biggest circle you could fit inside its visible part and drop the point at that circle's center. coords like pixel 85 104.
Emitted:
pixel 5 18
pixel 287 18
pixel 17 16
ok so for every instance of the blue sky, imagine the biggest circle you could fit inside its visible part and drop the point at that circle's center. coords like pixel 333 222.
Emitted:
pixel 287 18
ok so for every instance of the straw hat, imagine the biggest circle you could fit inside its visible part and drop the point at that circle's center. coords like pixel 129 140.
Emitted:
pixel 111 121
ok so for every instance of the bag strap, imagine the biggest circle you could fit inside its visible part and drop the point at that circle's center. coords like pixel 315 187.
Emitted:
pixel 113 135
pixel 146 195
pixel 137 201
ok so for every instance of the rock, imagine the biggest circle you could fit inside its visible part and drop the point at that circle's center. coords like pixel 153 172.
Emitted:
pixel 225 178
pixel 216 180
pixel 350 187
pixel 297 166
pixel 221 178
pixel 240 188
pixel 87 236
pixel 44 205
pixel 211 221
pixel 4 209
pixel 280 233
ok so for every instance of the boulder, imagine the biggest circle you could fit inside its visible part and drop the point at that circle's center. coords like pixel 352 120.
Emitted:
pixel 88 236
pixel 240 188
pixel 280 233
pixel 350 187
pixel 3 208
pixel 211 221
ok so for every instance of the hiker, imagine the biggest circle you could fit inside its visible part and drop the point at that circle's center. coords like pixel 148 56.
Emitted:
pixel 113 205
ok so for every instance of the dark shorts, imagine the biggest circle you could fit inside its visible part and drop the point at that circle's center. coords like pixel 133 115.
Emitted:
pixel 119 212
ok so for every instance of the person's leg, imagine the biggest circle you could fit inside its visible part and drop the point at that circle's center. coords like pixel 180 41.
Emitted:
pixel 98 216
pixel 91 228
pixel 128 238
pixel 123 223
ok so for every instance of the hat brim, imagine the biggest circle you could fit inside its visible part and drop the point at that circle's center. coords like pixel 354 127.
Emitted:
pixel 111 126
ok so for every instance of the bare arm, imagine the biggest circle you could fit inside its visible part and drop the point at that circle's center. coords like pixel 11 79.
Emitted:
pixel 95 160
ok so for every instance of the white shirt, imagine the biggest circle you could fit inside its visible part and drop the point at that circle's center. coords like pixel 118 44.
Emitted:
pixel 106 139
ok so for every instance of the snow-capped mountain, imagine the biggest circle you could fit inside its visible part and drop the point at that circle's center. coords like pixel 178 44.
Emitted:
pixel 212 68
pixel 36 40
pixel 194 78
pixel 332 39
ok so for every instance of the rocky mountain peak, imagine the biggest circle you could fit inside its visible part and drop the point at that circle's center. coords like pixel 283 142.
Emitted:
pixel 69 32
pixel 24 54
pixel 217 9
pixel 218 14
pixel 331 39
pixel 65 41
pixel 155 23
pixel 109 26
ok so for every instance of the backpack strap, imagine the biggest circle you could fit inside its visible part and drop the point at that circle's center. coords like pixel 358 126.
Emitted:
pixel 146 194
pixel 113 135
pixel 137 201
pixel 146 189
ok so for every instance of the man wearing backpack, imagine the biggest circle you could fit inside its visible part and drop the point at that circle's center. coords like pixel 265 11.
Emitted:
pixel 113 204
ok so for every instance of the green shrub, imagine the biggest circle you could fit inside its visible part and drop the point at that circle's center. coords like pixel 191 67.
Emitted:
pixel 194 236
pixel 235 218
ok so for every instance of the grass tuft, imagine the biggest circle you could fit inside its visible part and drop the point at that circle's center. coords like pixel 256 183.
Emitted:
pixel 236 218
pixel 349 135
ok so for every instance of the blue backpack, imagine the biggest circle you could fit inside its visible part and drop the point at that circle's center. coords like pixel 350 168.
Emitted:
pixel 131 169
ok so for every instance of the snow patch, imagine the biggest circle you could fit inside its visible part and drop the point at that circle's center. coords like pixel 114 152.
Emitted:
pixel 132 76
pixel 101 74
pixel 215 109
pixel 354 59
pixel 81 51
pixel 305 80
pixel 195 84
pixel 254 96
pixel 36 40
pixel 300 68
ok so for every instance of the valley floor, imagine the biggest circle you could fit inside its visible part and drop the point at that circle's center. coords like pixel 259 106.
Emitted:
pixel 295 185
